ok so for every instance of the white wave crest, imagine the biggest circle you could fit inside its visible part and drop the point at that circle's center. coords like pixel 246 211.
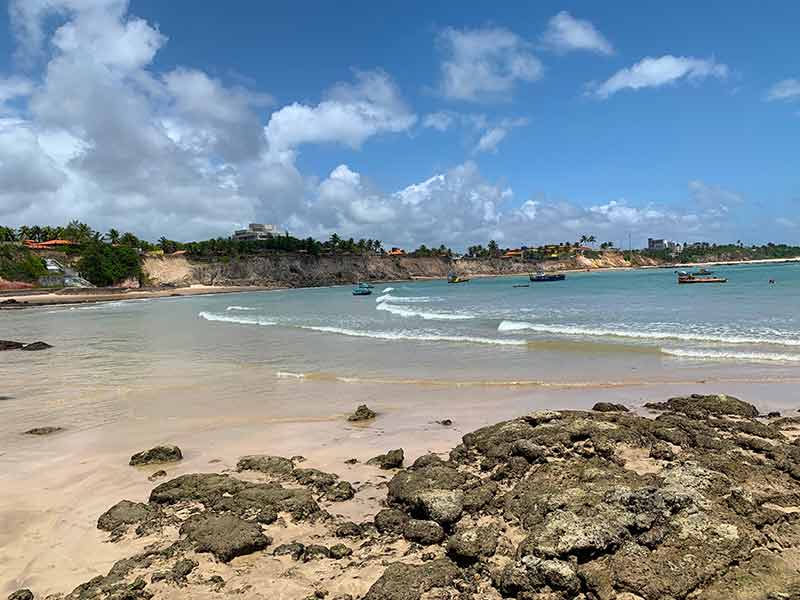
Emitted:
pixel 506 326
pixel 421 314
pixel 289 375
pixel 407 299
pixel 387 290
pixel 240 308
pixel 740 356
pixel 241 320
pixel 418 337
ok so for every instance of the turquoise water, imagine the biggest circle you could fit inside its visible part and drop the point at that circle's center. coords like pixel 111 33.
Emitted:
pixel 599 326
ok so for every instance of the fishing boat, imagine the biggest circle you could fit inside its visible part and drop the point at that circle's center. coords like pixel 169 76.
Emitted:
pixel 684 277
pixel 542 276
pixel 362 290
pixel 454 278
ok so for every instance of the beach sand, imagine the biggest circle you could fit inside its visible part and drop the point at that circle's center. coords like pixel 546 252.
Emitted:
pixel 55 487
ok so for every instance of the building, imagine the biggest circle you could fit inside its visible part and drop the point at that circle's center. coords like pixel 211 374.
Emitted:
pixel 660 245
pixel 255 232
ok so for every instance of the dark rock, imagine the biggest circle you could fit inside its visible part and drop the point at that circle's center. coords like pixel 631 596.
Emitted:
pixel 408 582
pixel 426 460
pixel 609 407
pixel 159 454
pixel 297 458
pixel 125 513
pixel 479 496
pixel 701 406
pixel 316 551
pixel 390 520
pixel 24 594
pixel 35 346
pixel 340 491
pixel 157 475
pixel 314 478
pixel 225 536
pixel 182 568
pixel 44 430
pixel 405 485
pixel 445 422
pixel 362 413
pixel 443 506
pixel 661 451
pixel 773 414
pixel 351 461
pixel 472 544
pixel 391 460
pixel 349 530
pixel 529 450
pixel 423 532
pixel 339 551
pixel 271 465
pixel 9 345
pixel 295 550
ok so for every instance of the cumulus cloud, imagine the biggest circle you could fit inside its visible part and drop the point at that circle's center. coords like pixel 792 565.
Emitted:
pixel 485 64
pixel 441 121
pixel 657 72
pixel 565 33
pixel 350 114
pixel 786 90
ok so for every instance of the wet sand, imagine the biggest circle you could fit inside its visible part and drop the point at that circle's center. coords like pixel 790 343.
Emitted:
pixel 56 486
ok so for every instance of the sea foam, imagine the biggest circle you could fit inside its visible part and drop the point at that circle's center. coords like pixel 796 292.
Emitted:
pixel 240 308
pixel 421 314
pixel 721 355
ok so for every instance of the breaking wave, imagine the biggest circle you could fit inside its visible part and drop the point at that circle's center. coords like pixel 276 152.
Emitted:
pixel 407 299
pixel 208 316
pixel 240 308
pixel 508 326
pixel 418 337
pixel 741 356
pixel 421 314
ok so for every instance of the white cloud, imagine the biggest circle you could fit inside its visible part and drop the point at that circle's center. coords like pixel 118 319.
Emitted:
pixel 788 90
pixel 713 198
pixel 441 121
pixel 349 115
pixel 657 72
pixel 485 64
pixel 565 33
pixel 492 136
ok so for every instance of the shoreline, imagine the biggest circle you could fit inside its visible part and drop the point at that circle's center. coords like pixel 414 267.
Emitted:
pixel 39 298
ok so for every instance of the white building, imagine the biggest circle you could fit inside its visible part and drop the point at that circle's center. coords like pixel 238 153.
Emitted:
pixel 255 232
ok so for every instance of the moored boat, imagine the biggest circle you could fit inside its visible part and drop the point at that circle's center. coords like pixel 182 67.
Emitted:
pixel 362 289
pixel 542 276
pixel 454 278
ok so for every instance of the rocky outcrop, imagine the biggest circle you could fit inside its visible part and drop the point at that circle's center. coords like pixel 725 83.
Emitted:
pixel 701 502
pixel 159 454
pixel 391 460
pixel 362 413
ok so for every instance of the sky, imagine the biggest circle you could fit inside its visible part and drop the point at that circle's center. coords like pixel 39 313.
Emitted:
pixel 408 122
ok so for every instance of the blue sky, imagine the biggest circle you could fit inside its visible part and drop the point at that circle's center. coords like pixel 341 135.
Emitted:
pixel 410 122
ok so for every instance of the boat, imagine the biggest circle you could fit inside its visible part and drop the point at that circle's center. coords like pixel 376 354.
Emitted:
pixel 363 284
pixel 362 290
pixel 542 276
pixel 702 272
pixel 516 285
pixel 453 278
pixel 684 277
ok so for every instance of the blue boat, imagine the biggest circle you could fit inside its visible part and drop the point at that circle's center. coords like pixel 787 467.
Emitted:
pixel 362 290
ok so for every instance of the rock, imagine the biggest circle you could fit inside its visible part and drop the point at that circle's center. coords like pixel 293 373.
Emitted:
pixel 774 414
pixel 225 536
pixel 44 430
pixel 701 406
pixel 35 346
pixel 351 461
pixel 443 506
pixel 340 491
pixel 9 345
pixel 295 550
pixel 348 530
pixel 391 460
pixel 315 478
pixel 661 451
pixel 405 485
pixel 316 551
pixel 264 463
pixel 125 513
pixel 159 454
pixel 529 450
pixel 445 422
pixel 157 475
pixel 182 568
pixel 339 551
pixel 362 413
pixel 425 533
pixel 609 407
pixel 24 594
pixel 409 582
pixel 472 544
pixel 390 520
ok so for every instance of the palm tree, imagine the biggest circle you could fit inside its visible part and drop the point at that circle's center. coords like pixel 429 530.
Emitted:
pixel 592 240
pixel 494 250
pixel 113 236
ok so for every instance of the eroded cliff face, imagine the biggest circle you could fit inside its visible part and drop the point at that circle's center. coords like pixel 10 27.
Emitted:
pixel 299 270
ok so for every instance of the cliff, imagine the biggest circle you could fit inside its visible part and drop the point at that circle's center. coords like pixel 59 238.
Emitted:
pixel 303 270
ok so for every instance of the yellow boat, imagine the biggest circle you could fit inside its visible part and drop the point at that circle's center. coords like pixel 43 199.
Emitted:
pixel 453 278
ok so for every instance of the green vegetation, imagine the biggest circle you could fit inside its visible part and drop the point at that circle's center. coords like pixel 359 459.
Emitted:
pixel 104 264
pixel 20 264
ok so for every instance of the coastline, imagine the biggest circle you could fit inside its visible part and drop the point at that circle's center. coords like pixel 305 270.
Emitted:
pixel 66 296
